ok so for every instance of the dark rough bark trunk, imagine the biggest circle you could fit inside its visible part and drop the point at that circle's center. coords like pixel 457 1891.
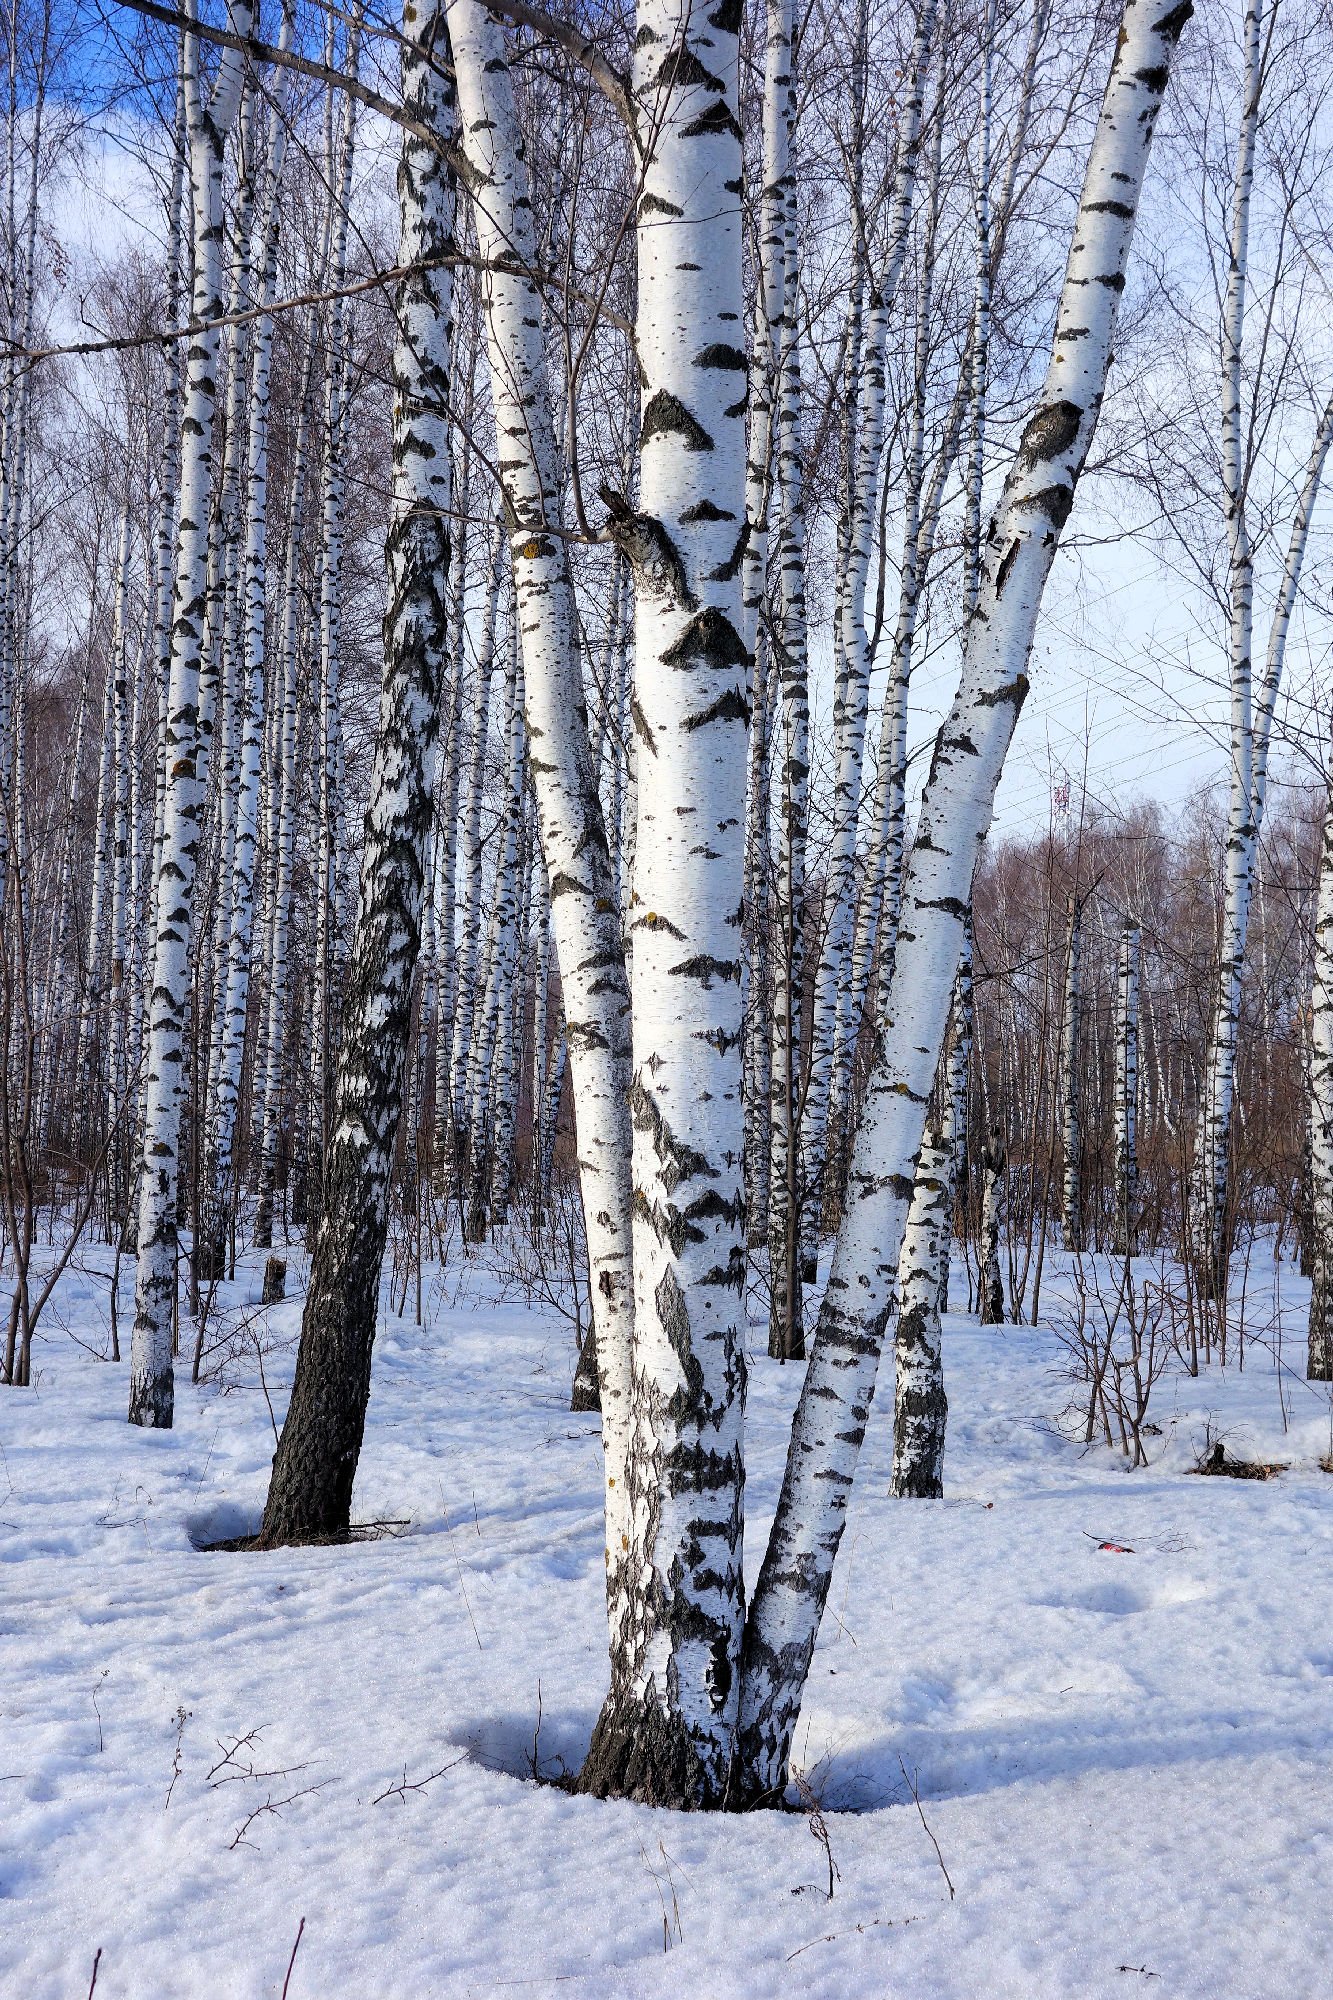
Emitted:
pixel 310 1495
pixel 586 1393
pixel 1319 1357
pixel 991 1279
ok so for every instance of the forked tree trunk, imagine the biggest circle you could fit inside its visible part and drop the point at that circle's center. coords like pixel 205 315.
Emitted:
pixel 955 815
pixel 310 1494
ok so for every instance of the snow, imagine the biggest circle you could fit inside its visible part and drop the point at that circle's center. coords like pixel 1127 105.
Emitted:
pixel 1123 1757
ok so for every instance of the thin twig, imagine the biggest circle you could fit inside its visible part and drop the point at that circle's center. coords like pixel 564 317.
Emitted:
pixel 911 1786
pixel 97 1960
pixel 182 1717
pixel 831 1937
pixel 402 1788
pixel 300 1930
pixel 274 1806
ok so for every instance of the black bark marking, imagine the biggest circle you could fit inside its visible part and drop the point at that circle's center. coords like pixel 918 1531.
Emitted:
pixel 1007 561
pixel 706 969
pixel 667 416
pixel 729 707
pixel 718 354
pixel 709 640
pixel 1050 432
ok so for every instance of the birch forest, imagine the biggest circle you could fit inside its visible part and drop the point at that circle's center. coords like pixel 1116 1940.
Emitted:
pixel 666 853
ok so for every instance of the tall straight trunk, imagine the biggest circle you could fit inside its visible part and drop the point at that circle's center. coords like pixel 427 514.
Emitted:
pixel 501 961
pixel 444 890
pixel 981 299
pixel 667 1729
pixel 469 898
pixel 831 1016
pixel 786 1334
pixel 1319 1353
pixel 152 1387
pixel 957 1084
pixel 920 1406
pixel 758 1033
pixel 283 781
pixel 876 928
pixel 541 1002
pixel 584 907
pixel 310 1494
pixel 990 1277
pixel 955 815
pixel 118 998
pixel 219 1190
pixel 769 307
pixel 1071 1134
pixel 1250 723
pixel 332 834
pixel 1127 1094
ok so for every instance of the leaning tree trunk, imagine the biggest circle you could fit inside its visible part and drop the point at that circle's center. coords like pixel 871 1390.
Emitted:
pixel 667 1730
pixel 310 1494
pixel 955 814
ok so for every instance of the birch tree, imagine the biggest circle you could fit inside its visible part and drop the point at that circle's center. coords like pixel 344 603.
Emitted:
pixel 310 1493
pixel 955 812
pixel 666 1731
pixel 209 116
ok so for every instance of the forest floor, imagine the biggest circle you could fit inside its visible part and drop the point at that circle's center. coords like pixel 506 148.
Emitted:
pixel 1047 1767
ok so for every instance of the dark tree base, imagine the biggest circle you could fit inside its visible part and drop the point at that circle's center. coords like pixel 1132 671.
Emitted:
pixel 586 1394
pixel 643 1754
pixel 152 1402
pixel 275 1281
pixel 210 1262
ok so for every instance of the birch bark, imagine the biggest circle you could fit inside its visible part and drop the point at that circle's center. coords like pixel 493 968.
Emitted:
pixel 209 117
pixel 1127 1094
pixel 314 1467
pixel 1071 1210
pixel 955 814
pixel 584 908
pixel 667 1730
pixel 1319 1350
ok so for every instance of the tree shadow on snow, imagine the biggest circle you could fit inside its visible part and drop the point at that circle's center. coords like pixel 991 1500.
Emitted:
pixel 952 1763
pixel 539 1746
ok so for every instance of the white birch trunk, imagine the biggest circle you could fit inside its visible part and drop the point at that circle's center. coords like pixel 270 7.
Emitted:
pixel 1071 1137
pixel 1127 1094
pixel 955 814
pixel 667 1729
pixel 920 1407
pixel 152 1392
pixel 1319 1350
pixel 584 909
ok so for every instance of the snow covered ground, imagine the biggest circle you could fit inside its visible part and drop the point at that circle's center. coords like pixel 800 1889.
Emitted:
pixel 1123 1759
